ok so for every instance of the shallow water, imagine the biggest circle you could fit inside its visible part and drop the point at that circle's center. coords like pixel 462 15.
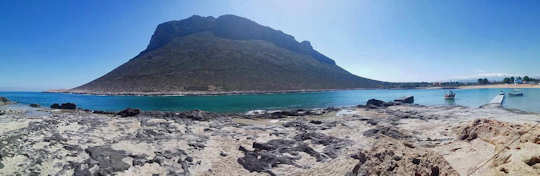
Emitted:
pixel 242 103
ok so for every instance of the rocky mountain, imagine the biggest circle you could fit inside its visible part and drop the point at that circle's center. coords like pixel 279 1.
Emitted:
pixel 228 53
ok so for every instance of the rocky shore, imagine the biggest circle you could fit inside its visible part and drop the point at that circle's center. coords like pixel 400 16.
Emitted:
pixel 381 138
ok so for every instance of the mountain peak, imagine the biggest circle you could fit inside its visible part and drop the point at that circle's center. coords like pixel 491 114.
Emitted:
pixel 228 53
pixel 231 27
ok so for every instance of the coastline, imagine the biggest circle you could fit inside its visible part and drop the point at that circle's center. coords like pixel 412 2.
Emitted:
pixel 212 93
pixel 500 86
pixel 362 140
pixel 194 93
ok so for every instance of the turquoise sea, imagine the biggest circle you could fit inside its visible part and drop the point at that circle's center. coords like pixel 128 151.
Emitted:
pixel 242 103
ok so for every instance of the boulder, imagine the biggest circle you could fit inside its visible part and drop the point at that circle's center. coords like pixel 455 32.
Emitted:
pixel 55 106
pixel 2 112
pixel 375 103
pixel 4 101
pixel 108 160
pixel 198 115
pixel 129 112
pixel 64 106
pixel 103 112
pixel 407 100
pixel 68 106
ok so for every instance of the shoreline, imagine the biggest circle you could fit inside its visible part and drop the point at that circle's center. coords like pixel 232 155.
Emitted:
pixel 260 92
pixel 360 140
pixel 214 93
pixel 501 86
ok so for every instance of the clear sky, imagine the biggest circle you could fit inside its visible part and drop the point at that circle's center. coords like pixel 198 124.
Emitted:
pixel 63 44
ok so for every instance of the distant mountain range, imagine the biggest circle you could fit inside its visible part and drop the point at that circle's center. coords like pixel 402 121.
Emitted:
pixel 225 54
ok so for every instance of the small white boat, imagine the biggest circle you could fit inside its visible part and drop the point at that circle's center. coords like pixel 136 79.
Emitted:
pixel 501 92
pixel 516 93
pixel 450 95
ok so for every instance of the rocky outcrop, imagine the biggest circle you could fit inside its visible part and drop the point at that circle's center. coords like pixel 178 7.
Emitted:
pixel 129 112
pixel 391 157
pixel 406 99
pixel 277 114
pixel 4 101
pixel 394 140
pixel 267 155
pixel 375 103
pixel 70 106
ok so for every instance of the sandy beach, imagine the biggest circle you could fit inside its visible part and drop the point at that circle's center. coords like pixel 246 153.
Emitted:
pixel 499 86
pixel 395 140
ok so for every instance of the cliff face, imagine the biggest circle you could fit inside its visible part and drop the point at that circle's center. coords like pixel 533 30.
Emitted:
pixel 228 53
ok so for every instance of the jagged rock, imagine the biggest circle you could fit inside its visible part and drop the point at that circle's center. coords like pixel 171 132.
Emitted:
pixel 68 106
pixel 4 101
pixel 267 155
pixel 108 159
pixel 103 112
pixel 198 115
pixel 333 145
pixel 407 100
pixel 389 157
pixel 55 106
pixel 375 103
pixel 71 106
pixel 386 131
pixel 316 122
pixel 129 112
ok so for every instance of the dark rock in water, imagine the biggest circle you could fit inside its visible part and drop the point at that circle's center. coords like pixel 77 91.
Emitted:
pixel 55 106
pixel 2 112
pixel 332 109
pixel 103 112
pixel 68 106
pixel 375 103
pixel 407 100
pixel 198 115
pixel 109 160
pixel 129 112
pixel 390 103
pixel 34 105
pixel 4 101
pixel 64 106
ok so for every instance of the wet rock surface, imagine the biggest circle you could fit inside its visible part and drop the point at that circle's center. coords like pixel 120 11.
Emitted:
pixel 389 140
pixel 4 101
pixel 71 106
pixel 129 112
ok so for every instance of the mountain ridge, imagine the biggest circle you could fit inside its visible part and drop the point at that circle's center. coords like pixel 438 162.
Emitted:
pixel 225 54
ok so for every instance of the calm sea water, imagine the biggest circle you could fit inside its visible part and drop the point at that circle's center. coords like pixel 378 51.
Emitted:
pixel 242 103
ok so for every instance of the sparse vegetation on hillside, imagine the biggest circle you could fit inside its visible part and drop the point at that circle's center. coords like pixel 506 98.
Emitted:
pixel 204 61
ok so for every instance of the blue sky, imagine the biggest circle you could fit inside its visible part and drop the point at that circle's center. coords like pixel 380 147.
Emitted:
pixel 63 44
